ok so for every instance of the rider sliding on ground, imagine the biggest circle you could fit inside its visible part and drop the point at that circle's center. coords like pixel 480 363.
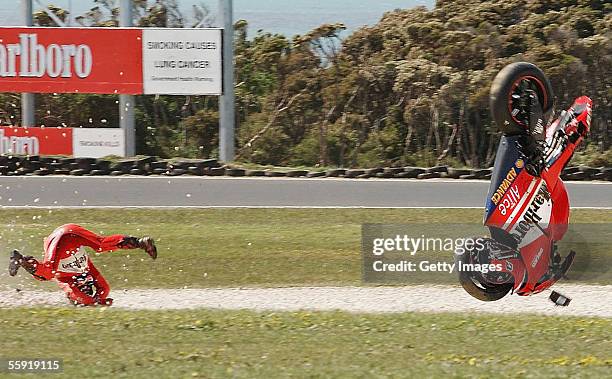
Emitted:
pixel 66 261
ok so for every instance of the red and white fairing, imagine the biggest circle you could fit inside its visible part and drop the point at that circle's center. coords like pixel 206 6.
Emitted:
pixel 533 212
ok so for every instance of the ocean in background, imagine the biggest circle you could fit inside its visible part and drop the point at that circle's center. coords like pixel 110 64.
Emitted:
pixel 287 17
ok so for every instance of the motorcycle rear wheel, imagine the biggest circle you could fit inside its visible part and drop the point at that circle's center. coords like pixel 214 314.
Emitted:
pixel 507 96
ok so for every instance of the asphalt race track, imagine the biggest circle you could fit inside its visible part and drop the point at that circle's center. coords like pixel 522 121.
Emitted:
pixel 67 191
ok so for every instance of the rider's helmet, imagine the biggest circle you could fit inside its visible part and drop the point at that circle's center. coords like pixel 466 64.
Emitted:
pixel 85 283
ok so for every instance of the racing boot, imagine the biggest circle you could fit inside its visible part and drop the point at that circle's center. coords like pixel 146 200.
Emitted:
pixel 148 245
pixel 14 262
pixel 145 243
pixel 17 260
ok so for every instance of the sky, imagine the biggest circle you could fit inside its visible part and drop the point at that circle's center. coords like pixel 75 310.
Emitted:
pixel 279 16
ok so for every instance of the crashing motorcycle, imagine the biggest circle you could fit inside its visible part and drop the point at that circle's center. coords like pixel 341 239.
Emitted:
pixel 527 207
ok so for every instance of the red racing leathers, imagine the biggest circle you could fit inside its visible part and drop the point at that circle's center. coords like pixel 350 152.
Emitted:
pixel 66 260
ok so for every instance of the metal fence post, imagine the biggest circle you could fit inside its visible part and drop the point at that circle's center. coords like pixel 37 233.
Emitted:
pixel 27 99
pixel 227 112
pixel 126 102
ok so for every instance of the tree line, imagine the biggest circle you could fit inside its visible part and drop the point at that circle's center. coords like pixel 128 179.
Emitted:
pixel 411 89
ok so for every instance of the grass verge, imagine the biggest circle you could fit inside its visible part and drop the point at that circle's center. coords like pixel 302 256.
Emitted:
pixel 180 344
pixel 241 247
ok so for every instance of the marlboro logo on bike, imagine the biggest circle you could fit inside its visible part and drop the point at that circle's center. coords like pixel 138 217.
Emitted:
pixel 111 60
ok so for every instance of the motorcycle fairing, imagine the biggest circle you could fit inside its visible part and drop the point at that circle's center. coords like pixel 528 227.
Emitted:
pixel 509 166
pixel 513 190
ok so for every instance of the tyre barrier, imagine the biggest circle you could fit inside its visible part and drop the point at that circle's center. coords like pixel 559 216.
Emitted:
pixel 257 173
pixel 144 166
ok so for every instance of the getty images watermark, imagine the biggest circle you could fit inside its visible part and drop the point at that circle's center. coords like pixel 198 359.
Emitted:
pixel 431 253
pixel 420 252
pixel 422 244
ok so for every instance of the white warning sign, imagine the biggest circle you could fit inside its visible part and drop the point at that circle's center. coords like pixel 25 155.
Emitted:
pixel 182 61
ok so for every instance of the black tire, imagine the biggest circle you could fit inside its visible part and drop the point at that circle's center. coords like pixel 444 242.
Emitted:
pixel 478 289
pixel 235 172
pixel 483 292
pixel 512 79
pixel 316 174
pixel 297 173
pixel 255 173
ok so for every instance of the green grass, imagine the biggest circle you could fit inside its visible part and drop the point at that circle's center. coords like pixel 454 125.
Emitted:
pixel 243 247
pixel 219 344
pixel 256 247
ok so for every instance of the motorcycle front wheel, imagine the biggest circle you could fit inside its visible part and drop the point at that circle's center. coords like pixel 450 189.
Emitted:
pixel 474 284
pixel 483 291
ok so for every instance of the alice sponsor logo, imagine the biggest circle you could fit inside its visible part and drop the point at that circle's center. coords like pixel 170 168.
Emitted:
pixel 503 187
pixel 510 200
pixel 18 145
pixel 28 58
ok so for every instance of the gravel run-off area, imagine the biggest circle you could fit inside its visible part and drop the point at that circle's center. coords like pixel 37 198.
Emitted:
pixel 587 300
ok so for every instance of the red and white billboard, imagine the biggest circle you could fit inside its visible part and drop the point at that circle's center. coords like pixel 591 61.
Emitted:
pixel 110 60
pixel 70 60
pixel 35 141
pixel 78 142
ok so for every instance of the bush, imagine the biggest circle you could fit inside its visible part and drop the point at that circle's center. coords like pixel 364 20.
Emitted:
pixel 593 156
